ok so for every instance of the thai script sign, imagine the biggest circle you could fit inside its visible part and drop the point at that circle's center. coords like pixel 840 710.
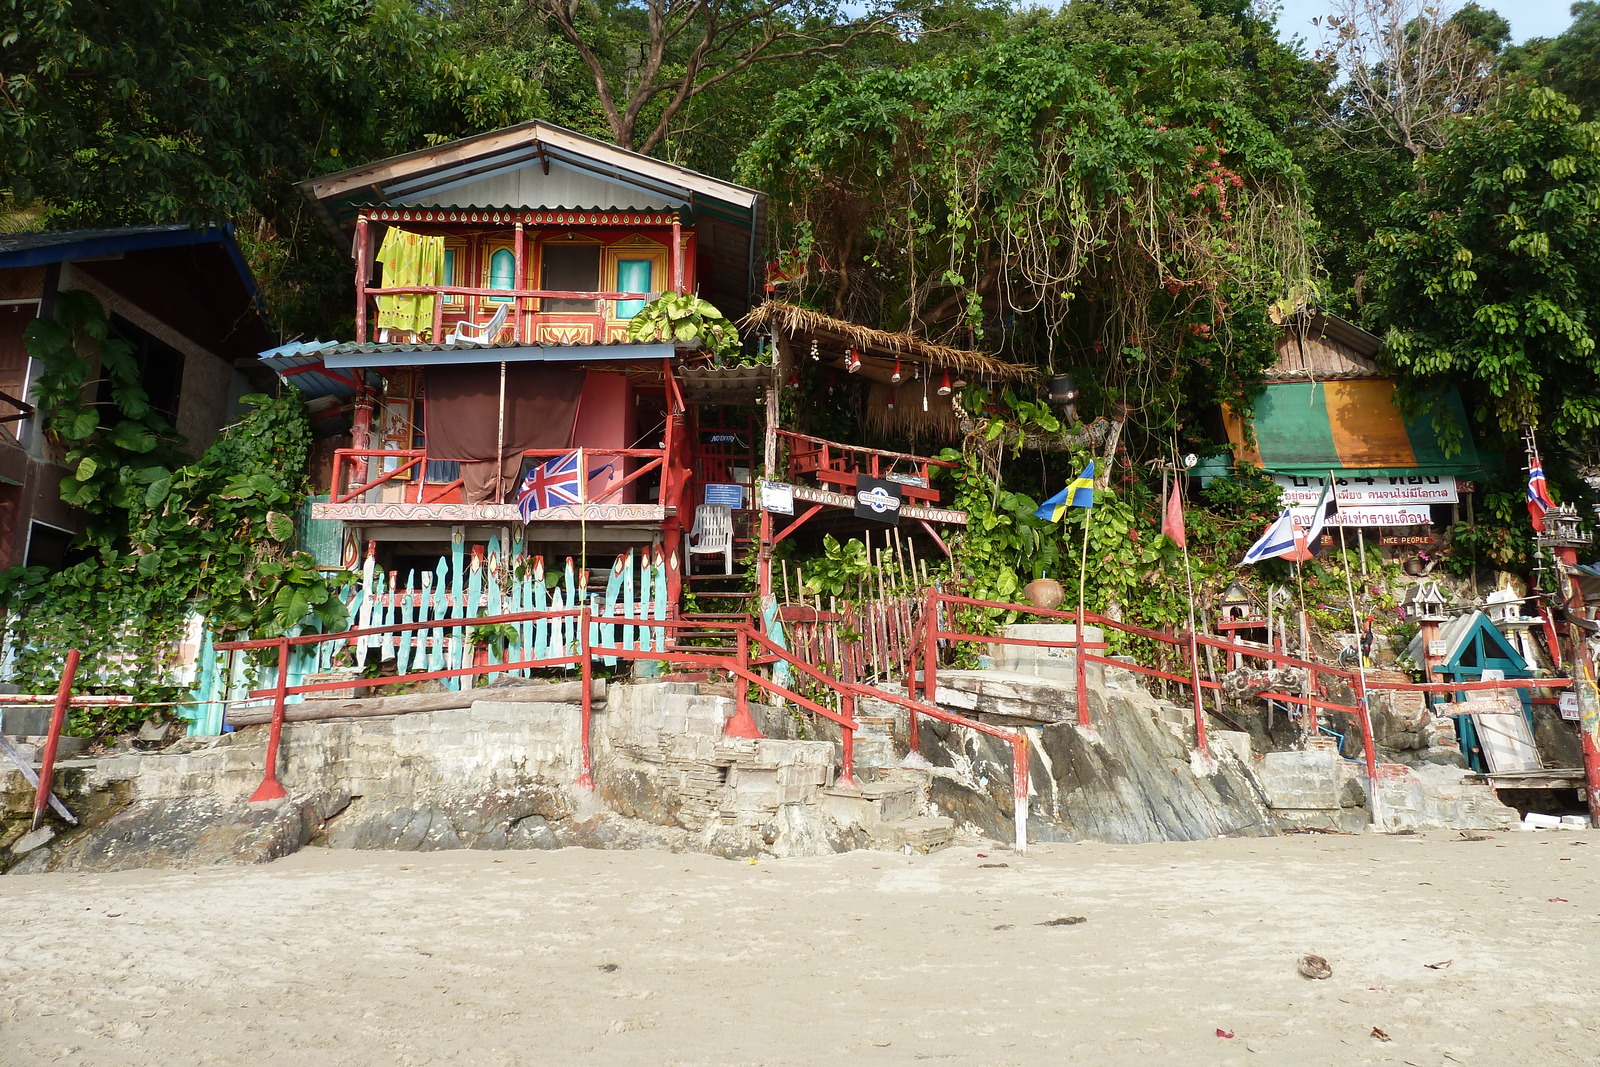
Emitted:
pixel 1354 489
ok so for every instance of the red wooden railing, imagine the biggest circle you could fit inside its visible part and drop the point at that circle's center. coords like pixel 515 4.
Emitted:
pixel 838 466
pixel 348 466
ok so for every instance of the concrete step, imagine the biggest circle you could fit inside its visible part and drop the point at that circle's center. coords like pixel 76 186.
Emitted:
pixel 925 833
pixel 873 803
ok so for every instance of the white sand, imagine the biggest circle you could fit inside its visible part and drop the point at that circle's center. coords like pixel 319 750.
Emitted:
pixel 496 958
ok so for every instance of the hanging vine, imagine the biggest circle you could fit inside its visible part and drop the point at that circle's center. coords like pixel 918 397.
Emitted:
pixel 163 537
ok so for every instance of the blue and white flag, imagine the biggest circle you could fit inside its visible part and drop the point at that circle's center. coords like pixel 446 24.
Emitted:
pixel 1279 540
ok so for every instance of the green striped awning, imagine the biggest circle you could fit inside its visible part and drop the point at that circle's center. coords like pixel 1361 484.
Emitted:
pixel 1309 428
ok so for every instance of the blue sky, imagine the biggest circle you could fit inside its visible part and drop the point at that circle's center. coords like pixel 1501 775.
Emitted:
pixel 1528 18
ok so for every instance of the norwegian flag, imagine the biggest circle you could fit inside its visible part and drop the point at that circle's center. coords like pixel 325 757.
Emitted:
pixel 549 485
pixel 1539 500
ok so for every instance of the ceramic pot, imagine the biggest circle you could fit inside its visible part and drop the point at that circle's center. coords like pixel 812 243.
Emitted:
pixel 1044 593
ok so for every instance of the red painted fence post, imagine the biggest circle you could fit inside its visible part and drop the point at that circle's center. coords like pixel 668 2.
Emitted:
pixel 586 673
pixel 58 722
pixel 1082 670
pixel 1021 770
pixel 847 707
pixel 270 789
pixel 1200 740
pixel 741 724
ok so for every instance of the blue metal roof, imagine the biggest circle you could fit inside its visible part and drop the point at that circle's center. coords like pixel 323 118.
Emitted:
pixel 59 246
pixel 300 364
pixel 348 356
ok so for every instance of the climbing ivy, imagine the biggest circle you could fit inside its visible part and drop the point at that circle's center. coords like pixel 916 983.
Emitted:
pixel 164 537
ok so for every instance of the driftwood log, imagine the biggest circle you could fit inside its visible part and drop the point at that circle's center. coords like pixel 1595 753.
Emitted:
pixel 313 710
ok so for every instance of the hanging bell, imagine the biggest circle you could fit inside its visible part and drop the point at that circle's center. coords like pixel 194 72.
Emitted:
pixel 852 362
pixel 944 384
pixel 896 376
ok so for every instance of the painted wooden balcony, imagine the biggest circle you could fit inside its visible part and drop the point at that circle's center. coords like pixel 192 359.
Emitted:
pixel 399 485
pixel 838 467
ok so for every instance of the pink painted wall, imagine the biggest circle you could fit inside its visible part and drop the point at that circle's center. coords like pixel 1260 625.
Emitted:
pixel 607 419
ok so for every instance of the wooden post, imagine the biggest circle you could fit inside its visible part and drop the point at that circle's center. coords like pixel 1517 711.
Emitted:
pixel 586 673
pixel 1200 739
pixel 677 253
pixel 58 722
pixel 363 259
pixel 1583 684
pixel 519 257
pixel 847 707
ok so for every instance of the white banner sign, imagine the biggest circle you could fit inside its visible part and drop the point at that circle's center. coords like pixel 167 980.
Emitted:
pixel 1374 515
pixel 777 497
pixel 1362 491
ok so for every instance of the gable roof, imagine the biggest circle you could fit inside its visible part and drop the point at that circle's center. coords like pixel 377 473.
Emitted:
pixel 1318 346
pixel 60 246
pixel 419 175
pixel 1457 632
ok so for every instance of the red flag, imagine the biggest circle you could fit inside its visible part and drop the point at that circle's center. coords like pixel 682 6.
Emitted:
pixel 1172 525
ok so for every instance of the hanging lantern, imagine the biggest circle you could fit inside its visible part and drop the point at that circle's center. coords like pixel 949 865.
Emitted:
pixel 944 384
pixel 888 405
pixel 794 380
pixel 1063 390
pixel 815 355
pixel 852 362
pixel 896 376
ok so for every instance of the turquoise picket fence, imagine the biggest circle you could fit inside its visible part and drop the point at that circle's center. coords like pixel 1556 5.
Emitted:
pixel 481 583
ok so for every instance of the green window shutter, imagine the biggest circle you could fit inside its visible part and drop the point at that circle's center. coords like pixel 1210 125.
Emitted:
pixel 633 276
pixel 502 272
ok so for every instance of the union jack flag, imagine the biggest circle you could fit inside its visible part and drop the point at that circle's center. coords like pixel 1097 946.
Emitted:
pixel 1539 500
pixel 549 485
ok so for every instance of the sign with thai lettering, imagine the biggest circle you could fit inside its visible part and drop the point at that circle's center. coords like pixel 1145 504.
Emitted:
pixel 1369 515
pixel 777 498
pixel 1352 488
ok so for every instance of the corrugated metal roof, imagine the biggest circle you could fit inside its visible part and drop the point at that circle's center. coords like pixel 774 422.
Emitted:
pixel 724 383
pixel 300 364
pixel 686 212
pixel 17 242
pixel 350 355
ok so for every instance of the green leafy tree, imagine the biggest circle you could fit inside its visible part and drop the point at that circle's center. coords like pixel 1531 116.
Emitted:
pixel 208 111
pixel 1568 63
pixel 1116 210
pixel 1489 274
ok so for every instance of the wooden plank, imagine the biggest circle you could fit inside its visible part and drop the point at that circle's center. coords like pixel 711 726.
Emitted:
pixel 259 712
pixel 33 777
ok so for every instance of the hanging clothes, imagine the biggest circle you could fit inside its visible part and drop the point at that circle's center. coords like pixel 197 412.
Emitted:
pixel 409 259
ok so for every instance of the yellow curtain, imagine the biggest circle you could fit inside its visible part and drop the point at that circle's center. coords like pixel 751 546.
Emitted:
pixel 409 259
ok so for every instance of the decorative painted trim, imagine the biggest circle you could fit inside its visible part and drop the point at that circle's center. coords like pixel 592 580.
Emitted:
pixel 530 218
pixel 841 500
pixel 460 513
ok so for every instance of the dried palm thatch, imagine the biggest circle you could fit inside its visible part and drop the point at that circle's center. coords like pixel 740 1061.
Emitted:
pixel 906 419
pixel 878 349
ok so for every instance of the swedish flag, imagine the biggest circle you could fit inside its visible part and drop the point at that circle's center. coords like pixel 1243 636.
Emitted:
pixel 1079 493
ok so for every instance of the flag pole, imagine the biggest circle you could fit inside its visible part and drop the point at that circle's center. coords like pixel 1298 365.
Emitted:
pixel 1201 743
pixel 1083 571
pixel 1361 684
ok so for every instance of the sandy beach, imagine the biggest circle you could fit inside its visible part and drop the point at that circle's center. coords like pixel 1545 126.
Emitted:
pixel 650 958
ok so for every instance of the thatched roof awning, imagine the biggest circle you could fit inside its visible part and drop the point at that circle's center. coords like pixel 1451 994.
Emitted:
pixel 878 349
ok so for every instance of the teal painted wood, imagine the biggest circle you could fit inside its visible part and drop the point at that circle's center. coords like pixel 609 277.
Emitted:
pixel 659 608
pixel 205 691
pixel 474 610
pixel 772 625
pixel 408 614
pixel 386 615
pixel 608 632
pixel 496 602
pixel 441 611
pixel 368 602
pixel 541 602
pixel 558 627
pixel 631 604
pixel 570 645
pixel 458 605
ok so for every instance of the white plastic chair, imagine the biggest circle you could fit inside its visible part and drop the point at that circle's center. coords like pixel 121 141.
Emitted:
pixel 712 533
pixel 468 334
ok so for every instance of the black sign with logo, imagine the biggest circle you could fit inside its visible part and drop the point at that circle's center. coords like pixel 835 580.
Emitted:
pixel 878 500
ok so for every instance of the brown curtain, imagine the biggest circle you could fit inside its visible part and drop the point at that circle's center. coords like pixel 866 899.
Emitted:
pixel 462 423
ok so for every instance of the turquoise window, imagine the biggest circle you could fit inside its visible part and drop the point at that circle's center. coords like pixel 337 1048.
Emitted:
pixel 633 276
pixel 449 266
pixel 502 272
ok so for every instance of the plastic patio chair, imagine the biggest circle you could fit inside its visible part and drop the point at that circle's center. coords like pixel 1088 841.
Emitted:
pixel 712 534
pixel 468 334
